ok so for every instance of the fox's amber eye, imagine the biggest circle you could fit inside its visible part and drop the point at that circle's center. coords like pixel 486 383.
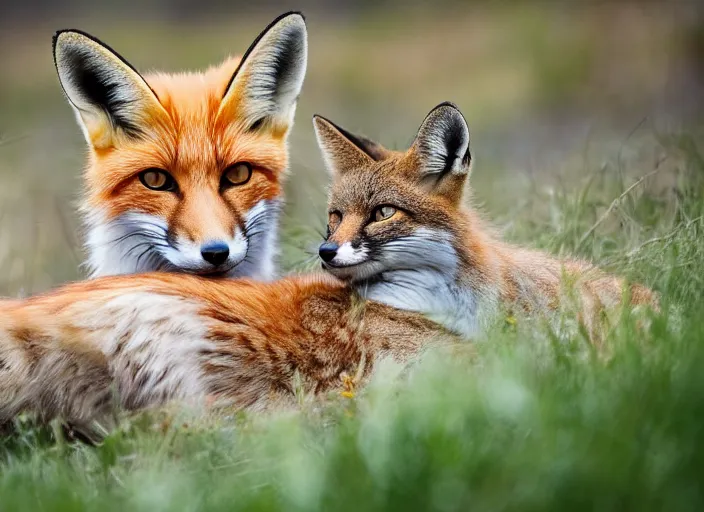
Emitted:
pixel 237 174
pixel 384 212
pixel 157 179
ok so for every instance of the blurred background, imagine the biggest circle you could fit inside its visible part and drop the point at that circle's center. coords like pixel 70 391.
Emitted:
pixel 552 92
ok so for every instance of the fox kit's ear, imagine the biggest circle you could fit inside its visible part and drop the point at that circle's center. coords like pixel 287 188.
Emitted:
pixel 265 86
pixel 442 143
pixel 342 150
pixel 441 151
pixel 110 98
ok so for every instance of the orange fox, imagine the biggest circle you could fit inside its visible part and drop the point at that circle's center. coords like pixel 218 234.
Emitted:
pixel 185 171
pixel 399 239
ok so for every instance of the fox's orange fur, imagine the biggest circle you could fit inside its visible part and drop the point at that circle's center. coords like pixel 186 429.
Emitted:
pixel 191 128
pixel 190 140
pixel 143 340
pixel 398 235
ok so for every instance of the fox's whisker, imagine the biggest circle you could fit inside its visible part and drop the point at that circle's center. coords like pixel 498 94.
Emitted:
pixel 142 234
pixel 146 251
pixel 150 246
pixel 141 223
pixel 252 234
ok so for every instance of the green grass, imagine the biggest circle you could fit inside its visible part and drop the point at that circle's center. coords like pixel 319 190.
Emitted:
pixel 526 419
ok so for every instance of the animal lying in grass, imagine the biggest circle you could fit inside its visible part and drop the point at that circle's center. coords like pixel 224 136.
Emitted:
pixel 399 232
pixel 401 243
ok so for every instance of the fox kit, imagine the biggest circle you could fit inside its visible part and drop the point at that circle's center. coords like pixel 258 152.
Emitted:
pixel 399 233
pixel 398 236
pixel 185 171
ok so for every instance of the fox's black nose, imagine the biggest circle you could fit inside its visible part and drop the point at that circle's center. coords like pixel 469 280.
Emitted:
pixel 328 251
pixel 215 252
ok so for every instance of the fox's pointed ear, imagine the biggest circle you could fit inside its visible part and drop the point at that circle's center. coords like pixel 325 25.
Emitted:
pixel 110 98
pixel 441 152
pixel 442 143
pixel 342 150
pixel 265 86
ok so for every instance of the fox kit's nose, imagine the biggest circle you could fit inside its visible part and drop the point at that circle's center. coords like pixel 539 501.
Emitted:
pixel 215 252
pixel 328 251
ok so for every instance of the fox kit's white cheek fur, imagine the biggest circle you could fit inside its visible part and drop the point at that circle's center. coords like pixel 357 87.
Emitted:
pixel 420 273
pixel 138 242
pixel 348 255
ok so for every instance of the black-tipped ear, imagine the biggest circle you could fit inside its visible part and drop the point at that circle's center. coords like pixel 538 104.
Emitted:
pixel 342 150
pixel 265 87
pixel 442 143
pixel 107 93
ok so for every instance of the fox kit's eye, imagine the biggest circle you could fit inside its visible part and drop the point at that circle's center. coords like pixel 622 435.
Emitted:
pixel 383 213
pixel 237 174
pixel 157 179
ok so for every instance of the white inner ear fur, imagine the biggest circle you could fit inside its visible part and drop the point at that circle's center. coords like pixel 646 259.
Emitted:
pixel 128 97
pixel 109 69
pixel 443 141
pixel 270 78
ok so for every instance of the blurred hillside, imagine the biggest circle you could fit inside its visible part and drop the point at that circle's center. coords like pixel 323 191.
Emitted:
pixel 547 87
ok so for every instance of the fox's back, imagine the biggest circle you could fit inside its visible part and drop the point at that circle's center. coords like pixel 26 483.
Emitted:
pixel 535 279
pixel 159 337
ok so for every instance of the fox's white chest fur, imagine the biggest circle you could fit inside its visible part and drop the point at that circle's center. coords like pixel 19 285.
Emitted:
pixel 423 277
pixel 429 292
